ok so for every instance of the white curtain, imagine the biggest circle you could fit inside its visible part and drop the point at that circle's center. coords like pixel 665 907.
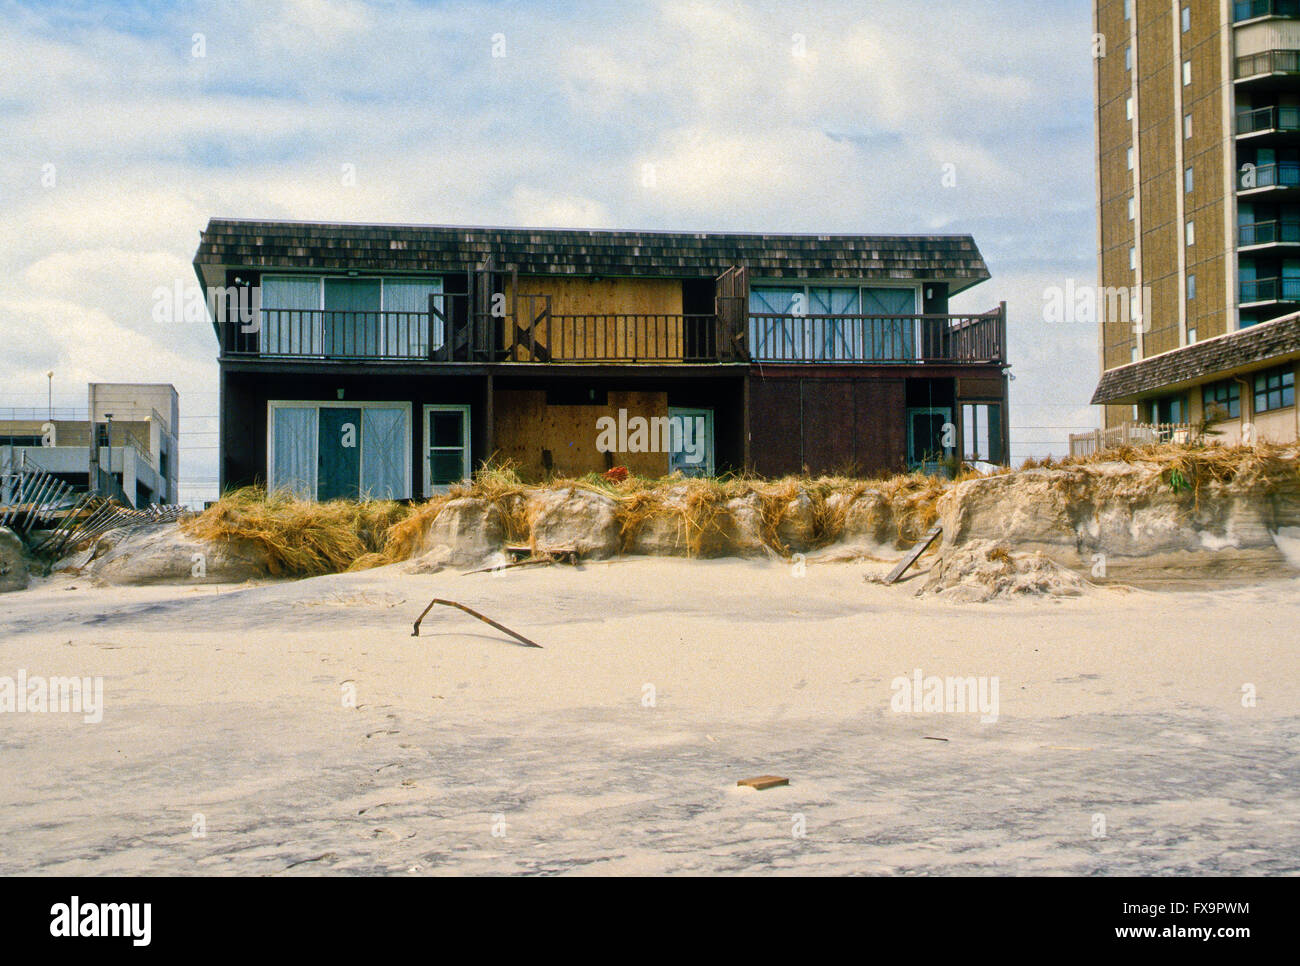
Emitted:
pixel 295 331
pixel 775 338
pixel 890 339
pixel 408 336
pixel 835 338
pixel 293 463
pixel 385 443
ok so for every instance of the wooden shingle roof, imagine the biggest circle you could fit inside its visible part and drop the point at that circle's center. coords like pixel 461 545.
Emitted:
pixel 1275 340
pixel 550 251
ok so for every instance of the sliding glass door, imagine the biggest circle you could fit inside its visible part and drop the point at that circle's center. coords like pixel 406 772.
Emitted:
pixel 340 451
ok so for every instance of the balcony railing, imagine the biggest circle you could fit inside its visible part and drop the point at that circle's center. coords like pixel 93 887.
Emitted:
pixel 1269 233
pixel 1268 62
pixel 1268 119
pixel 1270 290
pixel 1285 174
pixel 1251 9
pixel 452 331
pixel 878 338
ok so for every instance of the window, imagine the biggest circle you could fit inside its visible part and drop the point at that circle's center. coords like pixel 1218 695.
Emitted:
pixel 1191 234
pixel 800 323
pixel 1221 400
pixel 1128 108
pixel 339 450
pixel 1187 180
pixel 1129 158
pixel 20 441
pixel 1187 19
pixel 981 429
pixel 1169 409
pixel 1191 336
pixel 1132 209
pixel 1128 9
pixel 348 317
pixel 447 451
pixel 1128 57
pixel 1274 389
pixel 1132 258
pixel 1191 287
pixel 1187 73
pixel 1187 127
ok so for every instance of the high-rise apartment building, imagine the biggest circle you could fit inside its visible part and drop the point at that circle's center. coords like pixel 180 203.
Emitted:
pixel 1198 180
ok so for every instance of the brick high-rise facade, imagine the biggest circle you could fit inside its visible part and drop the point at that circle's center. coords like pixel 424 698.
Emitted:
pixel 1198 180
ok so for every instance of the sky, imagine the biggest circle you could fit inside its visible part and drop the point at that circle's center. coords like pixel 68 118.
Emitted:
pixel 125 126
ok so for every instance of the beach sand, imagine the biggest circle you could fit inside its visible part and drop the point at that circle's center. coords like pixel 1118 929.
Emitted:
pixel 1121 744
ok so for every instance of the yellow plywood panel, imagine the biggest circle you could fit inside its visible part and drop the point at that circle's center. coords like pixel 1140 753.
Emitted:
pixel 606 318
pixel 525 426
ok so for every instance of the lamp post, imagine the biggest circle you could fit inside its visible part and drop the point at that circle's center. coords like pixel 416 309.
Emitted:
pixel 108 418
pixel 50 376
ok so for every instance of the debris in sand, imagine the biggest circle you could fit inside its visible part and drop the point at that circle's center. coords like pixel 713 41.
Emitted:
pixel 763 782
pixel 982 570
pixel 915 553
pixel 472 613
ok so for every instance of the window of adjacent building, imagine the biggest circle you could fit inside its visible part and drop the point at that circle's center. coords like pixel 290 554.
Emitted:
pixel 1132 209
pixel 1187 19
pixel 1169 409
pixel 1187 180
pixel 1187 126
pixel 1191 234
pixel 1128 157
pixel 1128 9
pixel 20 441
pixel 1132 258
pixel 1221 400
pixel 1274 389
pixel 1191 336
pixel 1128 108
pixel 1191 287
pixel 981 425
pixel 1128 58
pixel 1187 73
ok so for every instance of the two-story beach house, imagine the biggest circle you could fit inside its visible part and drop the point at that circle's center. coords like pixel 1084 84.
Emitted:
pixel 391 360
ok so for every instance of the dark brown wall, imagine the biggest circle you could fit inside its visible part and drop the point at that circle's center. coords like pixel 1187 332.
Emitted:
pixel 828 425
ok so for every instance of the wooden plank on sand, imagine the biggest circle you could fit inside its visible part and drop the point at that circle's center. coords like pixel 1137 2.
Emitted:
pixel 912 555
pixel 763 781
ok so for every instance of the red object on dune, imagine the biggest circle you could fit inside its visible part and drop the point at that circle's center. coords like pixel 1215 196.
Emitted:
pixel 615 474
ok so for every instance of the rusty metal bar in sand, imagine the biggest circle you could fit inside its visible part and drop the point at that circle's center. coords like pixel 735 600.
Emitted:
pixel 472 613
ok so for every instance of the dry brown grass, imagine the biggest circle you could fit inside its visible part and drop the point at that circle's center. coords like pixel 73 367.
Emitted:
pixel 300 538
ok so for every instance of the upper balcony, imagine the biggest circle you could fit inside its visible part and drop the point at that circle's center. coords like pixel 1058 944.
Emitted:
pixel 1268 233
pixel 1268 120
pixel 1247 10
pixel 452 330
pixel 1268 72
pixel 1269 291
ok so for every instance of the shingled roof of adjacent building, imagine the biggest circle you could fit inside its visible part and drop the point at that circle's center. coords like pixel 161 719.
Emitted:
pixel 1222 354
pixel 562 251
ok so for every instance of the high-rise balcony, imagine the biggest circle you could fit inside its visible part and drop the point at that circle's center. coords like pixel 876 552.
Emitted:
pixel 1268 233
pixel 1281 176
pixel 1267 63
pixel 1243 10
pixel 1258 291
pixel 1263 120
